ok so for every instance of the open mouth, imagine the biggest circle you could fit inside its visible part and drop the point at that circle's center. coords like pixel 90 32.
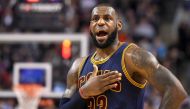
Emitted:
pixel 102 33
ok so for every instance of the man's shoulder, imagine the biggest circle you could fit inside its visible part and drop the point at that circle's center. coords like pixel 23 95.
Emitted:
pixel 130 48
pixel 138 53
pixel 76 66
pixel 80 59
pixel 139 58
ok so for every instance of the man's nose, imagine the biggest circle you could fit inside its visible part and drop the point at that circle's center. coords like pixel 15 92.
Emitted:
pixel 101 22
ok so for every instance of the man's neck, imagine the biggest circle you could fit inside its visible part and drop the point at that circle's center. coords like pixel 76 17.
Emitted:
pixel 103 53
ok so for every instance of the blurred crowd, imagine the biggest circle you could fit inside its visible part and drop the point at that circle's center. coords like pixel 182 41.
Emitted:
pixel 143 22
pixel 44 52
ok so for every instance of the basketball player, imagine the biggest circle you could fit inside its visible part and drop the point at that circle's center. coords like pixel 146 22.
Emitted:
pixel 115 75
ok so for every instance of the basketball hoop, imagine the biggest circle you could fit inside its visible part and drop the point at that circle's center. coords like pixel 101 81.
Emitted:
pixel 28 95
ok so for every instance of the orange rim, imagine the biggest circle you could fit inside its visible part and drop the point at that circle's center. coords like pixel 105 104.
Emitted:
pixel 31 89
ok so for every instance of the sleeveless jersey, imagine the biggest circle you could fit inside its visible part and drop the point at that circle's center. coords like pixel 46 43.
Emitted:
pixel 127 95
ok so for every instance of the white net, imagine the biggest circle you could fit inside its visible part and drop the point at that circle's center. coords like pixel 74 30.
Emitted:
pixel 28 96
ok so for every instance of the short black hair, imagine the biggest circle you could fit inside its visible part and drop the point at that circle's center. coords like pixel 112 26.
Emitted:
pixel 108 5
pixel 104 4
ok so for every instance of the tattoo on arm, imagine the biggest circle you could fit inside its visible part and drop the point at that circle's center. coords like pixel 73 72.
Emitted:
pixel 170 87
pixel 138 59
pixel 160 77
pixel 143 60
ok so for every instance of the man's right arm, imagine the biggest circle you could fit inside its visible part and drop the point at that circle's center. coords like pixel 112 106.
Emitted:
pixel 71 98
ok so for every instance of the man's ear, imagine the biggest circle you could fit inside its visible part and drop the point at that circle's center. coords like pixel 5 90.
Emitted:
pixel 119 25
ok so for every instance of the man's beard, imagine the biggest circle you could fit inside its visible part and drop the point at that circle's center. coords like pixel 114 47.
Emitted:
pixel 111 39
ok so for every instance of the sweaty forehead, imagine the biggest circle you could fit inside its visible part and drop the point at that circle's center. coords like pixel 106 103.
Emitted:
pixel 103 10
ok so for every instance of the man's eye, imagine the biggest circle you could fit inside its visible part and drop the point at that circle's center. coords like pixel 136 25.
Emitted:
pixel 95 18
pixel 107 18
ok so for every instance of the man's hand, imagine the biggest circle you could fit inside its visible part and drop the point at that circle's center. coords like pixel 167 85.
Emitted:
pixel 98 84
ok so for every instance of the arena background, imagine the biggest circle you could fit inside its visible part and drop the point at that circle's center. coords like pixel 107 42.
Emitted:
pixel 160 26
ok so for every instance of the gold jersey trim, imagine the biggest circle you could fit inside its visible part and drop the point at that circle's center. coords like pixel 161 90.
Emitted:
pixel 126 72
pixel 81 65
pixel 105 59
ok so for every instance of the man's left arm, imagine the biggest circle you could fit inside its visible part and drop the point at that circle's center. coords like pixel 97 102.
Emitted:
pixel 161 78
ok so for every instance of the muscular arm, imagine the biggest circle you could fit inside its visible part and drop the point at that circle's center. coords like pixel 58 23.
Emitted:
pixel 71 98
pixel 146 65
pixel 72 78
